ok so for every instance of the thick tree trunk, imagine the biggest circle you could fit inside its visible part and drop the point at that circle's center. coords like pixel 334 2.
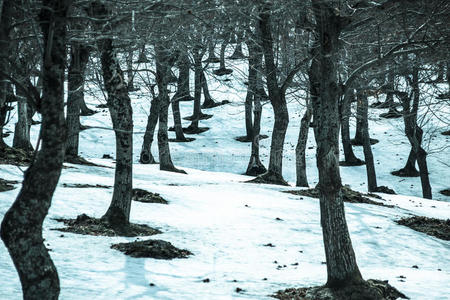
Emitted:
pixel 367 148
pixel 21 228
pixel 350 158
pixel 251 91
pixel 146 156
pixel 22 129
pixel 198 69
pixel 278 101
pixel 182 94
pixel 79 55
pixel 341 262
pixel 300 149
pixel 163 65
pixel 119 105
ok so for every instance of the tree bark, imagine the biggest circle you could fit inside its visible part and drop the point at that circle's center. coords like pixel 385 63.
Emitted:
pixel 342 268
pixel 163 66
pixel 79 55
pixel 5 49
pixel 367 148
pixel 22 129
pixel 300 149
pixel 255 166
pixel 21 228
pixel 146 156
pixel 277 99
pixel 350 158
pixel 119 105
pixel 182 94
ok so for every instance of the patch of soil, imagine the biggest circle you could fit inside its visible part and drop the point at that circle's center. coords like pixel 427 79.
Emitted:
pixel 357 162
pixel 431 226
pixel 185 140
pixel 406 173
pixel 78 160
pixel 195 130
pixel 214 104
pixel 379 104
pixel 245 139
pixel 202 117
pixel 158 249
pixel 360 143
pixel 446 132
pixel 392 114
pixel 13 156
pixel 103 105
pixel 371 289
pixel 348 194
pixel 85 185
pixel 385 190
pixel 222 71
pixel 269 178
pixel 445 192
pixel 147 197
pixel 86 225
pixel 7 185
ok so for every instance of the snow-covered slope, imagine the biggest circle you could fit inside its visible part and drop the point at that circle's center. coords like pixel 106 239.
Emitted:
pixel 226 222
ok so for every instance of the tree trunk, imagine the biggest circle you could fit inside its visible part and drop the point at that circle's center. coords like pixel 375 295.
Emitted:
pixel 21 228
pixel 359 135
pixel 255 166
pixel 409 170
pixel 300 149
pixel 208 101
pixel 342 268
pixel 146 156
pixel 193 128
pixel 163 65
pixel 130 74
pixel 5 49
pixel 350 158
pixel 367 148
pixel 278 101
pixel 251 90
pixel 119 105
pixel 22 129
pixel 182 94
pixel 79 55
pixel 414 132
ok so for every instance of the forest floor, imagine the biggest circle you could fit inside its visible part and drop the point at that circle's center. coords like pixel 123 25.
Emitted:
pixel 235 240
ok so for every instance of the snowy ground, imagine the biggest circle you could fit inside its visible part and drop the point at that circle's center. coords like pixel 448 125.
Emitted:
pixel 207 215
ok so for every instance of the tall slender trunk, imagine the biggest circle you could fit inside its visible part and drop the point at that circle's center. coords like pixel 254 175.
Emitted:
pixel 255 166
pixel 21 228
pixel 367 148
pixel 163 65
pixel 119 105
pixel 5 48
pixel 359 135
pixel 278 101
pixel 79 55
pixel 350 158
pixel 182 94
pixel 300 149
pixel 251 90
pixel 208 101
pixel 130 73
pixel 342 268
pixel 22 129
pixel 415 133
pixel 146 156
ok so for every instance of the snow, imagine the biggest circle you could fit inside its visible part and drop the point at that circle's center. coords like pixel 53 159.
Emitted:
pixel 226 222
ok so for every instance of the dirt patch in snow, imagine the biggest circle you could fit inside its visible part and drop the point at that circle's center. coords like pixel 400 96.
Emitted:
pixel 7 185
pixel 86 225
pixel 78 160
pixel 86 185
pixel 147 197
pixel 13 156
pixel 371 289
pixel 348 194
pixel 445 192
pixel 431 226
pixel 158 249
